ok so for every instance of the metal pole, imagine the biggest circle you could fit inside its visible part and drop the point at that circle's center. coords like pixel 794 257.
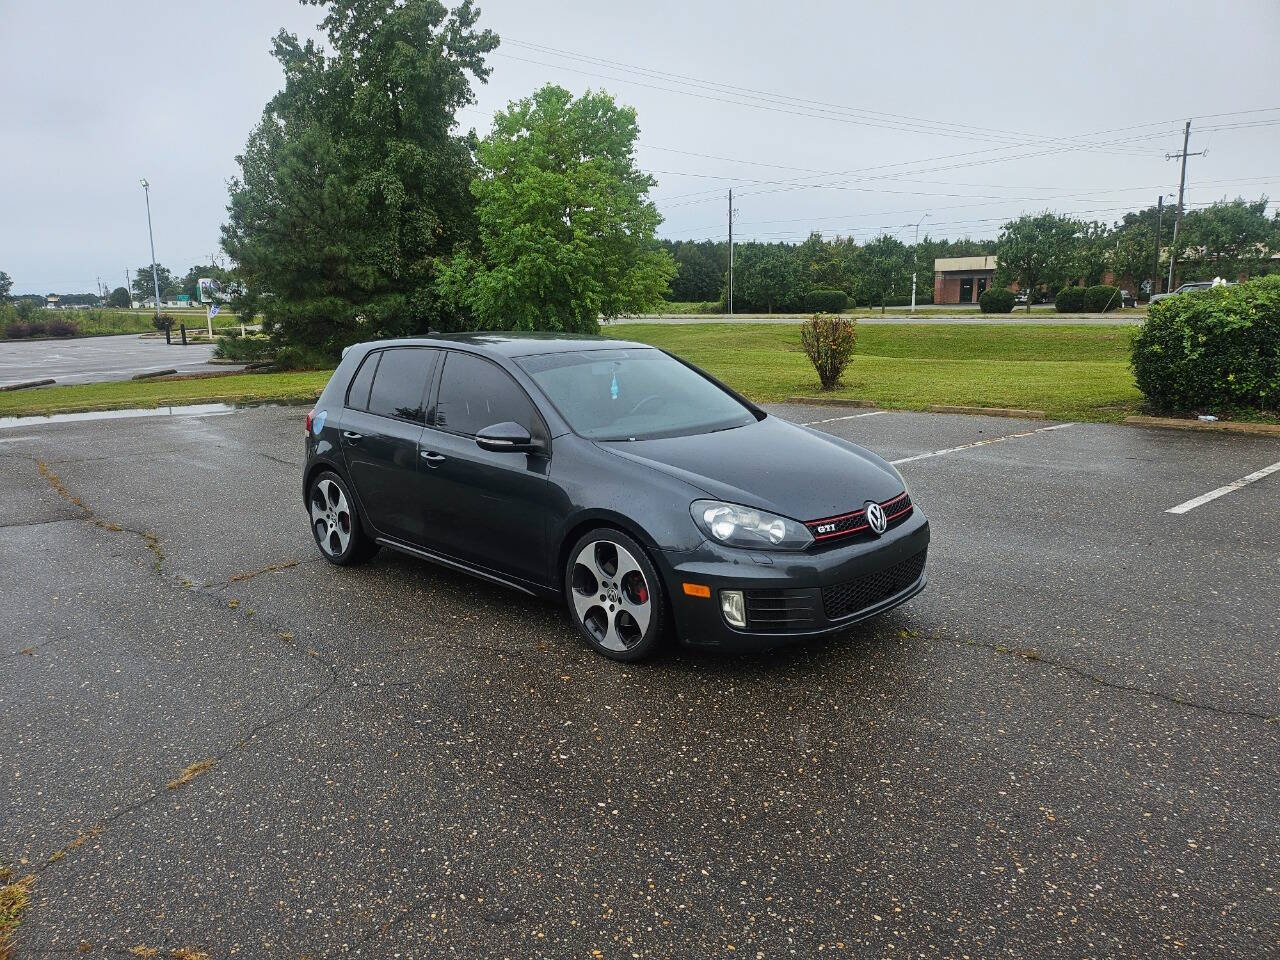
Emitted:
pixel 731 251
pixel 1155 274
pixel 155 278
pixel 915 262
pixel 1177 217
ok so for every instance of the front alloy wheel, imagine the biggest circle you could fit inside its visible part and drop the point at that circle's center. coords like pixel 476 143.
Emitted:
pixel 615 595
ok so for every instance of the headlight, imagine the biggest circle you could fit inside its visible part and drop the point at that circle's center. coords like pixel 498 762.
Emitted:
pixel 738 526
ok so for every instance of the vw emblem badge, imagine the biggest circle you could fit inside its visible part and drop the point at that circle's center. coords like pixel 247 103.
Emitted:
pixel 876 518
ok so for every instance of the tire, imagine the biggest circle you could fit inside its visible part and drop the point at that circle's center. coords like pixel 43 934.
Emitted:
pixel 335 522
pixel 615 596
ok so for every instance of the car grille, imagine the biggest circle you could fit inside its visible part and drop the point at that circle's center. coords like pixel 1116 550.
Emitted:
pixel 845 599
pixel 779 609
pixel 896 510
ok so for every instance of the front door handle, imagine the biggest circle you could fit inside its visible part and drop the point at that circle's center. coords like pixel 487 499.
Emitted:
pixel 351 435
pixel 431 457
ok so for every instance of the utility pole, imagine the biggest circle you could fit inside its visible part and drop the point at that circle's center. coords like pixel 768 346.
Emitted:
pixel 1155 274
pixel 155 278
pixel 128 286
pixel 915 262
pixel 731 251
pixel 1182 186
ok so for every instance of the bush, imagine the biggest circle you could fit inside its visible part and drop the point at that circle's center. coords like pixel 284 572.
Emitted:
pixel 17 329
pixel 162 321
pixel 1217 349
pixel 302 358
pixel 996 300
pixel 250 349
pixel 1070 300
pixel 58 327
pixel 36 328
pixel 828 342
pixel 826 301
pixel 1100 298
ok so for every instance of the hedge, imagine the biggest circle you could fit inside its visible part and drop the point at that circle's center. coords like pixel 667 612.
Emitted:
pixel 996 300
pixel 1070 300
pixel 826 301
pixel 1215 349
pixel 1100 298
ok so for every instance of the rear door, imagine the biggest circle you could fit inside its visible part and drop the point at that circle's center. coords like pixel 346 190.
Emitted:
pixel 485 508
pixel 381 428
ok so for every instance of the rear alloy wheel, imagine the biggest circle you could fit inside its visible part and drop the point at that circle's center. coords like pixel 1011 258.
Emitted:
pixel 334 522
pixel 615 595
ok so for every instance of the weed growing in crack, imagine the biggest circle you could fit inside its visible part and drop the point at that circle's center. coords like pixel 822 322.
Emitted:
pixel 190 774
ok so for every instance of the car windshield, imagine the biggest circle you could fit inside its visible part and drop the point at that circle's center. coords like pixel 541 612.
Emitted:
pixel 635 393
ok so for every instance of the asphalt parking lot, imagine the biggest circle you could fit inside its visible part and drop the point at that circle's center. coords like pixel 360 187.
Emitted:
pixel 94 359
pixel 1067 746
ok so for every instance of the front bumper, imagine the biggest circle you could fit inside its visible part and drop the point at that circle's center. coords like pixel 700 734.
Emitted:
pixel 795 596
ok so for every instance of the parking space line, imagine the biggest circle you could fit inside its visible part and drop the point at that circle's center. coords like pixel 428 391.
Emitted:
pixel 980 443
pixel 1204 498
pixel 852 416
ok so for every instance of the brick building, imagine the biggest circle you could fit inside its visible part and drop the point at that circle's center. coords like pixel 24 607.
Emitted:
pixel 962 279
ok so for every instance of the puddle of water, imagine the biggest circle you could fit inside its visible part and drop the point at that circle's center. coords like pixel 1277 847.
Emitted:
pixel 190 410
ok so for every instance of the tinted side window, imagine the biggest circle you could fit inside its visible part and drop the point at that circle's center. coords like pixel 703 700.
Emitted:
pixel 400 386
pixel 475 394
pixel 358 392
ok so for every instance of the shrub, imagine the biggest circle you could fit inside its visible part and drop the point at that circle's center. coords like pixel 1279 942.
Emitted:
pixel 828 342
pixel 996 300
pixel 17 329
pixel 36 328
pixel 1100 298
pixel 1070 300
pixel 162 321
pixel 302 358
pixel 826 301
pixel 59 327
pixel 1218 349
pixel 250 349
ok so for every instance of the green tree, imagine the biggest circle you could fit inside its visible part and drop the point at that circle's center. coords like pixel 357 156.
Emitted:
pixel 766 277
pixel 884 268
pixel 1227 239
pixel 1090 257
pixel 701 266
pixel 565 222
pixel 1036 250
pixel 143 286
pixel 119 297
pixel 6 284
pixel 355 184
pixel 824 265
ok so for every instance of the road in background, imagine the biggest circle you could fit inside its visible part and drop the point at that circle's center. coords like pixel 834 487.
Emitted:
pixel 1012 319
pixel 93 359
pixel 211 738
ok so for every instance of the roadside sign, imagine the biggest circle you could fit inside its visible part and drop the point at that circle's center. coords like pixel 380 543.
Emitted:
pixel 206 289
pixel 213 311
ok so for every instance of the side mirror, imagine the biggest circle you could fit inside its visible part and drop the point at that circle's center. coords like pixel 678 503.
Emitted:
pixel 507 438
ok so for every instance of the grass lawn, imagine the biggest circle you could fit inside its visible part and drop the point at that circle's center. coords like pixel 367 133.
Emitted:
pixel 1070 372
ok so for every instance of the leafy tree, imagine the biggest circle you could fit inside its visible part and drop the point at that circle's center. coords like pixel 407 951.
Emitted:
pixel 354 184
pixel 565 223
pixel 1035 250
pixel 1226 239
pixel 6 284
pixel 766 277
pixel 701 266
pixel 885 268
pixel 119 297
pixel 143 286
pixel 1132 253
pixel 1090 257
pixel 826 265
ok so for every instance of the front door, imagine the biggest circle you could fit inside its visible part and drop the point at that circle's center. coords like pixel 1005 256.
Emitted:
pixel 381 430
pixel 484 508
pixel 966 290
pixel 982 287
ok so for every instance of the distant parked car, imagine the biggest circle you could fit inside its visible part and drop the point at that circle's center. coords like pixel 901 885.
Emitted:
pixel 1189 288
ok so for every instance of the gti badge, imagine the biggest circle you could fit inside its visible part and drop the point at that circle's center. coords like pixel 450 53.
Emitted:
pixel 826 527
pixel 876 518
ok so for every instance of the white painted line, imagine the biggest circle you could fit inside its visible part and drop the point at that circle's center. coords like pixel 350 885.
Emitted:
pixel 852 416
pixel 980 443
pixel 1204 498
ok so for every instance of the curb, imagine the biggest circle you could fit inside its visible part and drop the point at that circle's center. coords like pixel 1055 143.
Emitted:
pixel 28 383
pixel 1219 426
pixel 153 374
pixel 988 411
pixel 831 402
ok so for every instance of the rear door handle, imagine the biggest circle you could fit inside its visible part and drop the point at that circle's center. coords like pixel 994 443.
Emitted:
pixel 431 457
pixel 351 435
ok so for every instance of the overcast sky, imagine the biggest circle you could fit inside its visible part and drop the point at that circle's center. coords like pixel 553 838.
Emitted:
pixel 848 117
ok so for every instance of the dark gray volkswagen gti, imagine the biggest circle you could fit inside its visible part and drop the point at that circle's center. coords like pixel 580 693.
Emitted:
pixel 637 488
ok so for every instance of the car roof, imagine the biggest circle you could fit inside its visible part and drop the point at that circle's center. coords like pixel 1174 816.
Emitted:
pixel 512 344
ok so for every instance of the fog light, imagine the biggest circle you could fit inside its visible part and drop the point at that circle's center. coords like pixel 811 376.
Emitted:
pixel 734 610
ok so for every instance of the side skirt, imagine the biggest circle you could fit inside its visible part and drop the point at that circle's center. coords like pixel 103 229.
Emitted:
pixel 456 565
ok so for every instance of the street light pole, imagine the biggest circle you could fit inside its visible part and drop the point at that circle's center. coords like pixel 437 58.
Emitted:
pixel 915 262
pixel 155 277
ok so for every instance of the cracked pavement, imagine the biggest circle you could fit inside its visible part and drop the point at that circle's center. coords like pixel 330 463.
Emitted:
pixel 1067 746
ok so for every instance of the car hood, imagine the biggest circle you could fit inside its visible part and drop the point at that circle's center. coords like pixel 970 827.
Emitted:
pixel 772 464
